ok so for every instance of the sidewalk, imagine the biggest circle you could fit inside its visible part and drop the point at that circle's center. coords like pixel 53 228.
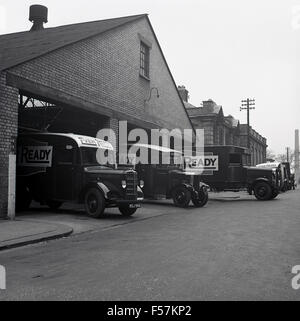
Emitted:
pixel 228 196
pixel 22 232
pixel 41 224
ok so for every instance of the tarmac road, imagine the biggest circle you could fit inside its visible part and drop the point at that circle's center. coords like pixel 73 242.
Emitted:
pixel 237 249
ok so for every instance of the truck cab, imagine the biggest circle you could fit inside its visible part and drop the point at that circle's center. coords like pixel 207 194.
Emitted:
pixel 54 168
pixel 233 173
pixel 171 180
pixel 283 172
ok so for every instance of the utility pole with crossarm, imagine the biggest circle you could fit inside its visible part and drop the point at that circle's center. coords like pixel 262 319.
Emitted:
pixel 248 104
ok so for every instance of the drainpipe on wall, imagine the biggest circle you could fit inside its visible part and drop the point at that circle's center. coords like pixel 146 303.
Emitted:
pixel 11 208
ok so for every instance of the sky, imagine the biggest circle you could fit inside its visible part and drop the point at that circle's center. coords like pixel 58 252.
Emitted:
pixel 221 50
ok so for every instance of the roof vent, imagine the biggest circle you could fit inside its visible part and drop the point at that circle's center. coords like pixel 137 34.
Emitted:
pixel 38 15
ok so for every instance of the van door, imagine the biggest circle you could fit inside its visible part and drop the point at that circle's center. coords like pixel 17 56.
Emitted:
pixel 235 168
pixel 161 182
pixel 64 172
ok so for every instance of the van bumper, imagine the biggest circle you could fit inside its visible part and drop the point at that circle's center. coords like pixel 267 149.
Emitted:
pixel 129 203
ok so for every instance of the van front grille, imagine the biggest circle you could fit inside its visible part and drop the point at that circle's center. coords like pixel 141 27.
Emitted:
pixel 131 185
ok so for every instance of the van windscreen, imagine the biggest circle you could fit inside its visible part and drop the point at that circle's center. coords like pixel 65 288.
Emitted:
pixel 90 158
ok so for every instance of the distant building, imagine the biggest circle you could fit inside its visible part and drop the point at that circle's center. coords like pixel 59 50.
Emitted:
pixel 258 144
pixel 224 130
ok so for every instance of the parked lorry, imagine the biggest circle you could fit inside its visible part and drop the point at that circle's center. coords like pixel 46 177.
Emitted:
pixel 293 181
pixel 283 171
pixel 233 174
pixel 54 168
pixel 289 175
pixel 170 181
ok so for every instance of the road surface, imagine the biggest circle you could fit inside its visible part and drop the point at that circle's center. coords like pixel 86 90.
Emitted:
pixel 239 249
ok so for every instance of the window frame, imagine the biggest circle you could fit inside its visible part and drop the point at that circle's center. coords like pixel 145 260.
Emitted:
pixel 144 60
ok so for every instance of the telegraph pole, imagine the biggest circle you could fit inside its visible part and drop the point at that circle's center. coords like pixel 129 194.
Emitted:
pixel 297 154
pixel 248 104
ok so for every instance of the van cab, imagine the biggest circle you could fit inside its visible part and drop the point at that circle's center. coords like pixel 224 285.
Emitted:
pixel 233 174
pixel 171 180
pixel 53 168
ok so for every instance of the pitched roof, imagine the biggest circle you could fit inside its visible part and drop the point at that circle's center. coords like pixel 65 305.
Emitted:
pixel 16 48
pixel 188 105
pixel 232 121
pixel 205 111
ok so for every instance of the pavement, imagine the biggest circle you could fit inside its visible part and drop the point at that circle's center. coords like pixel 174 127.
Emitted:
pixel 41 224
pixel 23 232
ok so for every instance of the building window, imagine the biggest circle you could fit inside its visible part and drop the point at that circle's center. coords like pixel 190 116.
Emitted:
pixel 144 60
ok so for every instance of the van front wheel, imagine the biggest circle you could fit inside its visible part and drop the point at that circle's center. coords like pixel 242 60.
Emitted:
pixel 274 194
pixel 263 191
pixel 127 211
pixel 202 198
pixel 94 203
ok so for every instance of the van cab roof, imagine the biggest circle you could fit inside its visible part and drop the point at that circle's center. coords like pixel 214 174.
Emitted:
pixel 268 165
pixel 158 148
pixel 81 140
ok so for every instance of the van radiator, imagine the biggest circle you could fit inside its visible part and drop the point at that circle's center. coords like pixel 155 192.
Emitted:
pixel 131 185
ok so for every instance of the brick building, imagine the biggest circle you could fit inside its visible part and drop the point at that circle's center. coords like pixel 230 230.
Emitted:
pixel 224 130
pixel 258 144
pixel 85 77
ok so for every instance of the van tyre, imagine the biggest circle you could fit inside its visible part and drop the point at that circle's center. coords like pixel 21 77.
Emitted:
pixel 274 194
pixel 263 191
pixel 127 211
pixel 54 205
pixel 181 196
pixel 94 202
pixel 202 198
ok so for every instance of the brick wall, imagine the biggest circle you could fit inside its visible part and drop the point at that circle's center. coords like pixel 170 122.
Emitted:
pixel 8 130
pixel 105 70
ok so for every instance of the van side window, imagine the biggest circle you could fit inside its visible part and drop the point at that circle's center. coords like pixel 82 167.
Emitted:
pixel 64 155
pixel 235 158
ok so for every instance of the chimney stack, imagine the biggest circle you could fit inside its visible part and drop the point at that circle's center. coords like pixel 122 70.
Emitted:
pixel 38 15
pixel 184 94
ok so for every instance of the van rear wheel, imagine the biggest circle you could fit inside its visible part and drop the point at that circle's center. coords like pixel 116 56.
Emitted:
pixel 262 191
pixel 181 196
pixel 23 200
pixel 94 203
pixel 54 205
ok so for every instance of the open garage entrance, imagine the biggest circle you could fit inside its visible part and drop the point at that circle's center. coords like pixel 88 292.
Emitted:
pixel 38 114
pixel 41 114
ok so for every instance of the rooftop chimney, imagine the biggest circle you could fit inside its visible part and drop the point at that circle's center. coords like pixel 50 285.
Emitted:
pixel 38 15
pixel 184 94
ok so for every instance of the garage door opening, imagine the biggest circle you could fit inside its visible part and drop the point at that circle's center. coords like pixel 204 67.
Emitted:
pixel 37 114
